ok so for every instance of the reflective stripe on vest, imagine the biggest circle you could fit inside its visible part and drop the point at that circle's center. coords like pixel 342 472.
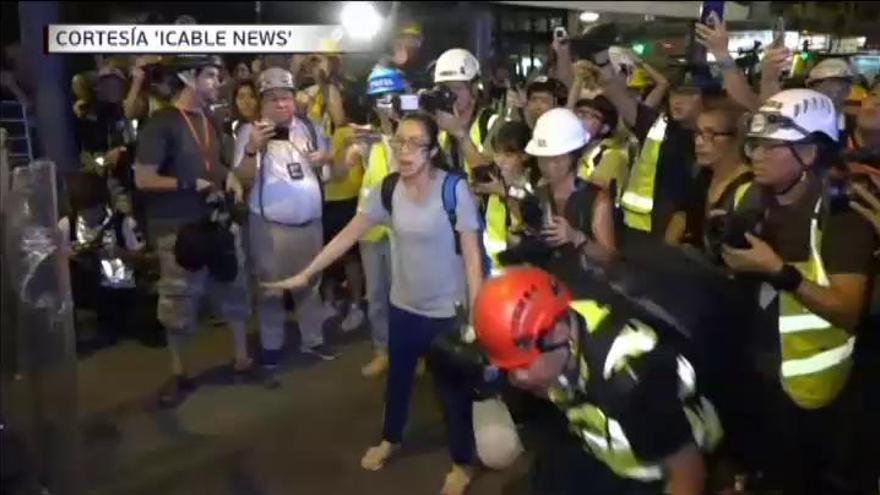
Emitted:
pixel 603 435
pixel 816 356
pixel 638 198
pixel 588 163
pixel 495 235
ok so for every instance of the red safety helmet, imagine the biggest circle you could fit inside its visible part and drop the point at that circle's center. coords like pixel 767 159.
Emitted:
pixel 514 311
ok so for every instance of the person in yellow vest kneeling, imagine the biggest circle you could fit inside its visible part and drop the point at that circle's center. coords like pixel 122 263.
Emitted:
pixel 631 399
pixel 811 258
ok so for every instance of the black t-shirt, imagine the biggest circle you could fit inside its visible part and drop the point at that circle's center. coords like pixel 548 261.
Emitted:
pixel 696 221
pixel 644 398
pixel 674 182
pixel 847 239
pixel 168 142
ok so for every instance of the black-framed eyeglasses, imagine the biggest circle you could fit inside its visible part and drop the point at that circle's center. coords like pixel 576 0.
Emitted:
pixel 407 146
pixel 752 146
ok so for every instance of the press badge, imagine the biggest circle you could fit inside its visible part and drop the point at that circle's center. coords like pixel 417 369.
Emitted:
pixel 295 171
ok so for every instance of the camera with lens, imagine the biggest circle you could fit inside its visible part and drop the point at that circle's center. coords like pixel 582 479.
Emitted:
pixel 855 166
pixel 210 242
pixel 440 98
pixel 595 40
pixel 532 248
pixel 463 361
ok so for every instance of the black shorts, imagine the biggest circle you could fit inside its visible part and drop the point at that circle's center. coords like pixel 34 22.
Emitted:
pixel 336 216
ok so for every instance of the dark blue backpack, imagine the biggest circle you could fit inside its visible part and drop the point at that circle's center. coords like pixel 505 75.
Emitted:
pixel 450 203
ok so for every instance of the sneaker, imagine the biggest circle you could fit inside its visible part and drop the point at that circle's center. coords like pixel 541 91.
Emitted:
pixel 376 457
pixel 353 320
pixel 377 366
pixel 257 375
pixel 457 480
pixel 322 351
pixel 175 390
pixel 328 310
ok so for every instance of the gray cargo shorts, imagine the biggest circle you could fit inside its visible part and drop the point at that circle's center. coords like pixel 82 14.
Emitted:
pixel 181 291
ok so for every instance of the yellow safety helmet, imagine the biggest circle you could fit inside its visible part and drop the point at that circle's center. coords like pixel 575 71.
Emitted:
pixel 857 94
pixel 410 29
pixel 639 79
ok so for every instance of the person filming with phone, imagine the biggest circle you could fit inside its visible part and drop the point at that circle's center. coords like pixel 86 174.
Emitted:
pixel 810 257
pixel 282 155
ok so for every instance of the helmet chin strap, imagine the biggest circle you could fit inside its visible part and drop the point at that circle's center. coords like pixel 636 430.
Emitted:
pixel 800 176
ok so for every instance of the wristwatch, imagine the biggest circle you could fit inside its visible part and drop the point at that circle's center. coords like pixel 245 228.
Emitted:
pixel 788 279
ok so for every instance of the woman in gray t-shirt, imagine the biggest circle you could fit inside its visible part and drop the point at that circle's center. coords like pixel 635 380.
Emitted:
pixel 428 278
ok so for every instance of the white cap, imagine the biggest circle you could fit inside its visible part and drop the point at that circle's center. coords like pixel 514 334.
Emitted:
pixel 274 78
pixel 557 132
pixel 830 68
pixel 793 115
pixel 456 64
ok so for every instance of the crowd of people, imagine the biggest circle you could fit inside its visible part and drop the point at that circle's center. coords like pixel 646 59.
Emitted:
pixel 671 273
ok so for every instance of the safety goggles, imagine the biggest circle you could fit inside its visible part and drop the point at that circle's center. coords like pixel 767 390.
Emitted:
pixel 767 124
pixel 753 145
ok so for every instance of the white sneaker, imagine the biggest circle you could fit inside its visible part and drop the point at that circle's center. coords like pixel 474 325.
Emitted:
pixel 375 457
pixel 457 480
pixel 328 310
pixel 377 366
pixel 353 320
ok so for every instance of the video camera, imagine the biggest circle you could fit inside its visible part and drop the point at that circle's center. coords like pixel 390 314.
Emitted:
pixel 854 167
pixel 464 362
pixel 596 40
pixel 439 98
pixel 532 248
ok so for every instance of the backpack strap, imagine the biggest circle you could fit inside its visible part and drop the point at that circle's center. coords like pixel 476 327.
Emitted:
pixel 387 191
pixel 450 203
pixel 313 134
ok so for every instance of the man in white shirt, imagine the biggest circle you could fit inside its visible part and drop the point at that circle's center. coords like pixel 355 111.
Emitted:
pixel 279 155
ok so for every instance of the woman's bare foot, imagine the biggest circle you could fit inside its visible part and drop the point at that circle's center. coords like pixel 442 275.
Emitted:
pixel 457 480
pixel 375 457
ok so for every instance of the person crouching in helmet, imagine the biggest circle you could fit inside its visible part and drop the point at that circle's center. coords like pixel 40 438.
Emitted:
pixel 464 130
pixel 813 258
pixel 580 213
pixel 631 400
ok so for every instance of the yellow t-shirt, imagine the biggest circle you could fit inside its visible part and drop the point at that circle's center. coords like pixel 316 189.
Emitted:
pixel 348 187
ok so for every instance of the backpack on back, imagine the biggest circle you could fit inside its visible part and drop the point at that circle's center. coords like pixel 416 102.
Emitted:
pixel 450 204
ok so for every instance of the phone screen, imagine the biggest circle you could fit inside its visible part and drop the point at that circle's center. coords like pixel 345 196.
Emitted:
pixel 708 8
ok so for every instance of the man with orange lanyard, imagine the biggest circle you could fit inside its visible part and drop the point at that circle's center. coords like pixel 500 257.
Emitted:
pixel 177 168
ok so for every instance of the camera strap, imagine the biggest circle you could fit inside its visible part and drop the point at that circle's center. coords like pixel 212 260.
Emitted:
pixel 203 146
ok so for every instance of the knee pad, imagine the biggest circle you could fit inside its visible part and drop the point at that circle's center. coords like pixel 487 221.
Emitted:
pixel 497 440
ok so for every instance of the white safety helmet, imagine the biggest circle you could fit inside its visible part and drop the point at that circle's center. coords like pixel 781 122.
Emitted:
pixel 456 64
pixel 557 132
pixel 793 115
pixel 274 78
pixel 830 68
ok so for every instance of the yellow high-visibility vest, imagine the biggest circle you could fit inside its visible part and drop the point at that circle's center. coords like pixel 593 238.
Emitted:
pixel 638 197
pixel 816 356
pixel 377 168
pixel 603 436
pixel 476 136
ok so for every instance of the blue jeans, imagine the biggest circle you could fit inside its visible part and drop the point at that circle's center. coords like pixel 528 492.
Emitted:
pixel 410 337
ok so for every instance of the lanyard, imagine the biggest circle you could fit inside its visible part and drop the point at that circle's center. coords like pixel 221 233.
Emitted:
pixel 205 148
